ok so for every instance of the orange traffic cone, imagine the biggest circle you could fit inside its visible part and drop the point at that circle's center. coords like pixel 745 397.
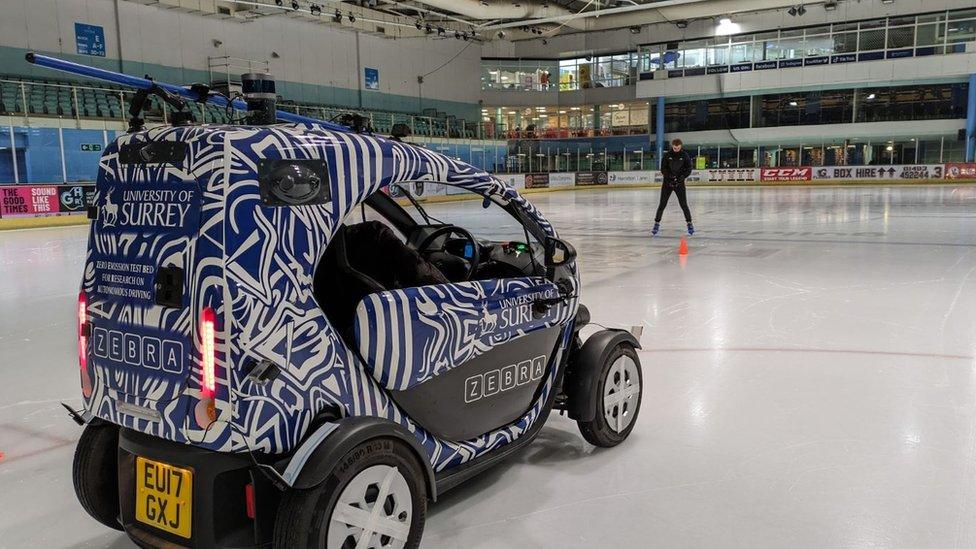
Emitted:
pixel 683 247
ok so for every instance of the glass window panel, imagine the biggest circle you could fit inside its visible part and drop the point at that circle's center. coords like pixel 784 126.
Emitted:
pixel 844 42
pixel 901 37
pixel 6 156
pixel 874 24
pixel 742 53
pixel 786 48
pixel 821 44
pixel 962 14
pixel 80 157
pixel 899 21
pixel 843 27
pixel 718 55
pixel 568 75
pixel 693 55
pixel 817 30
pixel 961 31
pixel 871 40
pixel 928 35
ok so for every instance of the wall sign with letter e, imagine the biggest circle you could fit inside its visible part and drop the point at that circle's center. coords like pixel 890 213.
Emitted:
pixel 90 39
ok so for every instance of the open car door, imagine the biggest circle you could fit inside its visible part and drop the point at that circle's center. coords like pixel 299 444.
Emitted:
pixel 462 359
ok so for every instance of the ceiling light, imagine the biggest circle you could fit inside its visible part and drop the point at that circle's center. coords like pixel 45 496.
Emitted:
pixel 464 35
pixel 352 18
pixel 544 42
pixel 887 1
pixel 457 35
pixel 793 103
pixel 427 28
pixel 418 24
pixel 801 10
pixel 830 5
pixel 279 3
pixel 314 9
pixel 871 96
pixel 682 24
pixel 792 11
pixel 635 29
pixel 337 17
pixel 440 31
pixel 294 5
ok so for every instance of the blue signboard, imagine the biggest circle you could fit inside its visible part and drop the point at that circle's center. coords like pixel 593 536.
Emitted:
pixel 90 39
pixel 372 77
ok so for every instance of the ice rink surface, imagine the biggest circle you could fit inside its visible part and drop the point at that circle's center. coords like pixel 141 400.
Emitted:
pixel 809 380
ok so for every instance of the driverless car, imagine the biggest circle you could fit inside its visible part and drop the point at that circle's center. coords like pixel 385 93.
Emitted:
pixel 279 346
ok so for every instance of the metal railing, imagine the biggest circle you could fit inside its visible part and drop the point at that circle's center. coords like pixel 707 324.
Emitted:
pixel 78 102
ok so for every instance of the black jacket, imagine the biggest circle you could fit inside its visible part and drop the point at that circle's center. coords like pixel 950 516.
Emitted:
pixel 676 166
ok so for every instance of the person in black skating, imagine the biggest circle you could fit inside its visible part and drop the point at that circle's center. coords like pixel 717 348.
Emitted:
pixel 676 167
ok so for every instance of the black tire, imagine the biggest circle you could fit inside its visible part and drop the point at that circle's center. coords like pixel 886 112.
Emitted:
pixel 95 473
pixel 304 515
pixel 598 431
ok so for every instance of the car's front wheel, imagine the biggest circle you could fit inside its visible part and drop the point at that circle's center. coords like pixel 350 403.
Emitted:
pixel 375 498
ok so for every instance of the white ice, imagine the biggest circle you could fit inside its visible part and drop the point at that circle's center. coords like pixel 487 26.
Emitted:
pixel 809 380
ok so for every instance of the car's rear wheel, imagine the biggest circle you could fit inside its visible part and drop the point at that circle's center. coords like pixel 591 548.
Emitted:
pixel 95 473
pixel 618 399
pixel 376 498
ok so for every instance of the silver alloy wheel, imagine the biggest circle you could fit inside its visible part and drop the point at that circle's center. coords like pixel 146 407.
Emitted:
pixel 621 390
pixel 373 511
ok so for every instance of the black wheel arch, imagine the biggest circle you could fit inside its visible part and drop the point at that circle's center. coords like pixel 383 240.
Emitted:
pixel 584 370
pixel 346 434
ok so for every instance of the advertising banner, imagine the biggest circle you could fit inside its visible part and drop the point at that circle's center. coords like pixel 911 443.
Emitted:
pixel 562 179
pixel 731 175
pixel 536 180
pixel 787 174
pixel 906 172
pixel 584 179
pixel 959 170
pixel 28 200
pixel 516 180
pixel 75 198
pixel 631 178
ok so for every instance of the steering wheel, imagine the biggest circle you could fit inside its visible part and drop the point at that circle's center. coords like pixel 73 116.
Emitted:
pixel 470 263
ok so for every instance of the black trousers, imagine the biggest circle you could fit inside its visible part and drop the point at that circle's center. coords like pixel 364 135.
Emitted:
pixel 679 190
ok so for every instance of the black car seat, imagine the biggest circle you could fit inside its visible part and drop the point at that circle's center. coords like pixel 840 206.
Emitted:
pixel 362 259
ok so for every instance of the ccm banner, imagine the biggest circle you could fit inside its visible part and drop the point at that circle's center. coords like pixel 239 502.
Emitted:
pixel 786 174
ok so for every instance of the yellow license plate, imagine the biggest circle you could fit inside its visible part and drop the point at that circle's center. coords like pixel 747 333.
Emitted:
pixel 164 496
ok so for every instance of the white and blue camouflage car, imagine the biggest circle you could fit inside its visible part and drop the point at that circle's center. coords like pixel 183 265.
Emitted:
pixel 276 350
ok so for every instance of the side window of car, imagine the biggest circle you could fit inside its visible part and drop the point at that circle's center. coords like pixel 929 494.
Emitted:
pixel 437 203
pixel 365 213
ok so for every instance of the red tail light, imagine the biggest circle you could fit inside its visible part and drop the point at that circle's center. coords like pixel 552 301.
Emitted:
pixel 82 331
pixel 208 330
pixel 249 504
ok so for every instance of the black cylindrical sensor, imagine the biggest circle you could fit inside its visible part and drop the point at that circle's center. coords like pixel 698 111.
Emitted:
pixel 260 96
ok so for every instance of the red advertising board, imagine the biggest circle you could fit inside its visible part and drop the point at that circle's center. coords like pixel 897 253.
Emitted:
pixel 959 170
pixel 787 174
pixel 28 201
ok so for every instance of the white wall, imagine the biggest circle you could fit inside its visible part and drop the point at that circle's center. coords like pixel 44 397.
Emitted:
pixel 309 52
